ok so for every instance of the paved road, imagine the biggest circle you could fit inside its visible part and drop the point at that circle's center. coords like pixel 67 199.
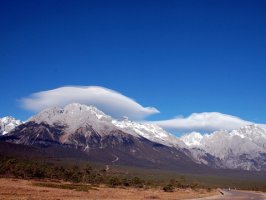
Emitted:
pixel 237 195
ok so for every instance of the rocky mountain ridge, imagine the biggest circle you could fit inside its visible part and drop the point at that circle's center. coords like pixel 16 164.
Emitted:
pixel 243 148
pixel 89 129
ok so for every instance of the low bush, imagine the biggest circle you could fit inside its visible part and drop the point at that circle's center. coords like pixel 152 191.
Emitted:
pixel 168 188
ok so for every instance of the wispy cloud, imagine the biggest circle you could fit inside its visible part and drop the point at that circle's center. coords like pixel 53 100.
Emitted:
pixel 204 122
pixel 109 101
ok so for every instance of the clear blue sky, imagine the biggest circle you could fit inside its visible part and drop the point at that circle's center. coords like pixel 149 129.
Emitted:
pixel 178 56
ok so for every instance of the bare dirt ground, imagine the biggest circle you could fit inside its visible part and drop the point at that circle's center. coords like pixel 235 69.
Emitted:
pixel 17 189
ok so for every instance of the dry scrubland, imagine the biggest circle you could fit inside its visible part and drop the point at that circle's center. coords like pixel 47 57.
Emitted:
pixel 18 189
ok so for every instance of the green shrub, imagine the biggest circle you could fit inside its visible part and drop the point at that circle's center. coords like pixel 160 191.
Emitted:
pixel 137 182
pixel 125 182
pixel 168 188
pixel 194 186
pixel 114 181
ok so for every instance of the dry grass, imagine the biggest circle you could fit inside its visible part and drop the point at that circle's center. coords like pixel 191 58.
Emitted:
pixel 17 189
pixel 66 186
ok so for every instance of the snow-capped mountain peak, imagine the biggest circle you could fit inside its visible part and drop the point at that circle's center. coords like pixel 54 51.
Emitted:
pixel 74 112
pixel 76 107
pixel 193 139
pixel 149 131
pixel 85 126
pixel 241 148
pixel 253 132
pixel 74 116
pixel 7 124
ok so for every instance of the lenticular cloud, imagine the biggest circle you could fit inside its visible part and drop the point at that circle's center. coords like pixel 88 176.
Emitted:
pixel 109 101
pixel 206 122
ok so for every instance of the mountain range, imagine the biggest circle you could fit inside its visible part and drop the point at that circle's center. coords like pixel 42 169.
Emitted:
pixel 244 148
pixel 124 142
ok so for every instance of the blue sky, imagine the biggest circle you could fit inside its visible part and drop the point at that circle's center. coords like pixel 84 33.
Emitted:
pixel 180 57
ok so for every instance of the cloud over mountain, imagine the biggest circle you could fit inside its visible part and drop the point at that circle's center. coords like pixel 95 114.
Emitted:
pixel 206 121
pixel 118 105
pixel 109 101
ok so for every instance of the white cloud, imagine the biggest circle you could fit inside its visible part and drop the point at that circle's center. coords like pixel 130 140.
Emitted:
pixel 109 101
pixel 118 106
pixel 203 122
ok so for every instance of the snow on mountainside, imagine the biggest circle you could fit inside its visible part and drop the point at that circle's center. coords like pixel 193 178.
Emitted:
pixel 7 124
pixel 75 115
pixel 193 139
pixel 151 132
pixel 82 125
pixel 243 148
pixel 104 139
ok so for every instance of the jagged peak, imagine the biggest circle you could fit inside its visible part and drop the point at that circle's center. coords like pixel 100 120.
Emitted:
pixel 149 131
pixel 8 118
pixel 74 116
pixel 72 107
pixel 249 140
pixel 69 110
pixel 192 139
pixel 7 124
pixel 82 107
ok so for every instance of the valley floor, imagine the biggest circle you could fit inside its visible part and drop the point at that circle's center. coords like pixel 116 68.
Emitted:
pixel 18 189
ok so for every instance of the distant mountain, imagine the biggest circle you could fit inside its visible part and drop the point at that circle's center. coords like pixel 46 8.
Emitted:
pixel 75 116
pixel 7 124
pixel 103 139
pixel 244 148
